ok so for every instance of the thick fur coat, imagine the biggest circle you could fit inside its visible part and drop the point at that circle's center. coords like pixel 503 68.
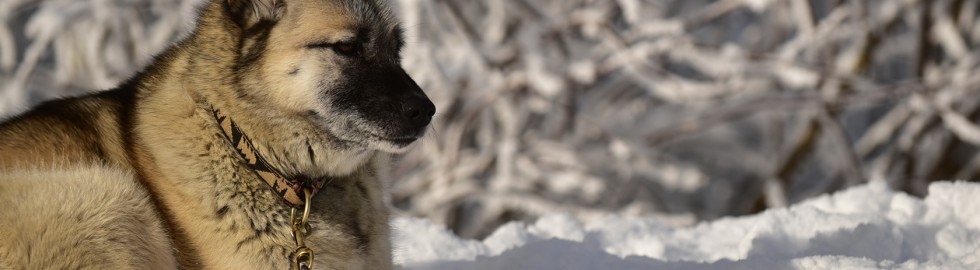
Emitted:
pixel 142 176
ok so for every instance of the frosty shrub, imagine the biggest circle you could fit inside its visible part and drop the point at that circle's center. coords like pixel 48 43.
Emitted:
pixel 684 110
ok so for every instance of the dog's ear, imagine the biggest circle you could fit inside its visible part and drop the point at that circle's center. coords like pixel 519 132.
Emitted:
pixel 246 13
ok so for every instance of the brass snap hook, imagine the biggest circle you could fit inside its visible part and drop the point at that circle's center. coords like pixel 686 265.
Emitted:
pixel 303 256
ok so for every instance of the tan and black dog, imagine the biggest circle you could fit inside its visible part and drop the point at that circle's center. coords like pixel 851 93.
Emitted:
pixel 199 161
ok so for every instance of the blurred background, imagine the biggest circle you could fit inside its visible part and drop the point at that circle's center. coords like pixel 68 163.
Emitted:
pixel 681 110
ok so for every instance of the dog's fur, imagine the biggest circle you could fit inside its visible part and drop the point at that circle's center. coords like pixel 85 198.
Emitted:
pixel 142 176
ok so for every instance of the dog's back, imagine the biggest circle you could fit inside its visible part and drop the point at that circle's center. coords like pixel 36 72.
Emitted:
pixel 81 130
pixel 68 195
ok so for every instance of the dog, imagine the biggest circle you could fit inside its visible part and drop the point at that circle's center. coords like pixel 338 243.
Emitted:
pixel 256 142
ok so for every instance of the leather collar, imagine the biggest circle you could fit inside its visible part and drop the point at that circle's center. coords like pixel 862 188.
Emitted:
pixel 289 189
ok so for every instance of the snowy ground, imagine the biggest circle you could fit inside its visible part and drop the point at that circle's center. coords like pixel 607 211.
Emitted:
pixel 867 227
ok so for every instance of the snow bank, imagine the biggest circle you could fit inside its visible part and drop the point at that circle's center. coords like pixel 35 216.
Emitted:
pixel 867 227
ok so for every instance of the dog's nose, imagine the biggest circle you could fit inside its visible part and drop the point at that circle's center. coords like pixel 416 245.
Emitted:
pixel 419 111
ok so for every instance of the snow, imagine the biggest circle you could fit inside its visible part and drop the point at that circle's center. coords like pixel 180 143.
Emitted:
pixel 866 227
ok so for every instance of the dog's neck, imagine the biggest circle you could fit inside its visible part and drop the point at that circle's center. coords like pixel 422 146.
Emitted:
pixel 291 189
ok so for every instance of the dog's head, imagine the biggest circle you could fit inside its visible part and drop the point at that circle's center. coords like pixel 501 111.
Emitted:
pixel 336 63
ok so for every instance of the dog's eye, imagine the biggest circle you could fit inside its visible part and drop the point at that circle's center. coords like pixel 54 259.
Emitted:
pixel 344 48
